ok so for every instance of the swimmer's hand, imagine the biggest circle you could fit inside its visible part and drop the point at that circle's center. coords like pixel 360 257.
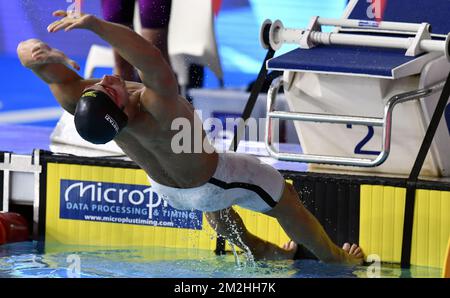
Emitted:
pixel 41 53
pixel 69 22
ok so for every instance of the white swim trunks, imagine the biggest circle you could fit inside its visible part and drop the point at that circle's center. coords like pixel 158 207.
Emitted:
pixel 239 179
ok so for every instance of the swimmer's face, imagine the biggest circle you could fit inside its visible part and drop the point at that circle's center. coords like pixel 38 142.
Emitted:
pixel 115 87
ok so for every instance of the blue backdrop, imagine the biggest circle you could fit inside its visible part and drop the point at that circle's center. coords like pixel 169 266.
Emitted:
pixel 25 99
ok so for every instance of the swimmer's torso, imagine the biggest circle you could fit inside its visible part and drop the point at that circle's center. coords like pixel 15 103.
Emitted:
pixel 149 143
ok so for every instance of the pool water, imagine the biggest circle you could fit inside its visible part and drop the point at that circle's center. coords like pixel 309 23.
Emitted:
pixel 25 259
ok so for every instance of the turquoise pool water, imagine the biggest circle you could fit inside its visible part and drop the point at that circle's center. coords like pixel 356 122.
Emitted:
pixel 25 260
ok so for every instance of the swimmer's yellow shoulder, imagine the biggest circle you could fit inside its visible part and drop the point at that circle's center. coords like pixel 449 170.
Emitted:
pixel 446 267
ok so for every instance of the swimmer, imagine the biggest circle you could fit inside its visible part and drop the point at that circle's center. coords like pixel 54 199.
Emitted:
pixel 154 16
pixel 139 117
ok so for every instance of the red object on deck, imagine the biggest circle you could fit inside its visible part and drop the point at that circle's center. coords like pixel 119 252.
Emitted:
pixel 13 228
pixel 216 6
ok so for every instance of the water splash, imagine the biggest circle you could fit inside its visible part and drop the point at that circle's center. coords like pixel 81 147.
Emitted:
pixel 250 259
pixel 236 257
pixel 23 260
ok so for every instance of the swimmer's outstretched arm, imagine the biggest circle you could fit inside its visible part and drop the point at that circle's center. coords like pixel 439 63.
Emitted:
pixel 155 72
pixel 229 225
pixel 52 66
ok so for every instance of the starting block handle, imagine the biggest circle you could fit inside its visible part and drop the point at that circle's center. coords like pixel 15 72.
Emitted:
pixel 365 24
pixel 274 35
pixel 385 123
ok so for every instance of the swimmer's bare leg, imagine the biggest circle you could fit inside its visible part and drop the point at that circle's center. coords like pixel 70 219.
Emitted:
pixel 122 67
pixel 229 224
pixel 52 66
pixel 158 37
pixel 304 228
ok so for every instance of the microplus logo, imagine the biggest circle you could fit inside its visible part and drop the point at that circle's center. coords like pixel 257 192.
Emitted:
pixel 122 203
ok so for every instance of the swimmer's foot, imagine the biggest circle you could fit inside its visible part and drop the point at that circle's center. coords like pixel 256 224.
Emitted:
pixel 349 254
pixel 353 254
pixel 290 250
pixel 268 251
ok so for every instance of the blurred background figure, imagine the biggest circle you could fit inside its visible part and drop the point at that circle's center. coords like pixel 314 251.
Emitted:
pixel 235 25
pixel 154 17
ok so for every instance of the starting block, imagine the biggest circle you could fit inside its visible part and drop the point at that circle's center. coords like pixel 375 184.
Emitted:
pixel 363 95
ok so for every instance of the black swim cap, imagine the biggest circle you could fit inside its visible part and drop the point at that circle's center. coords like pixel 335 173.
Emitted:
pixel 97 118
